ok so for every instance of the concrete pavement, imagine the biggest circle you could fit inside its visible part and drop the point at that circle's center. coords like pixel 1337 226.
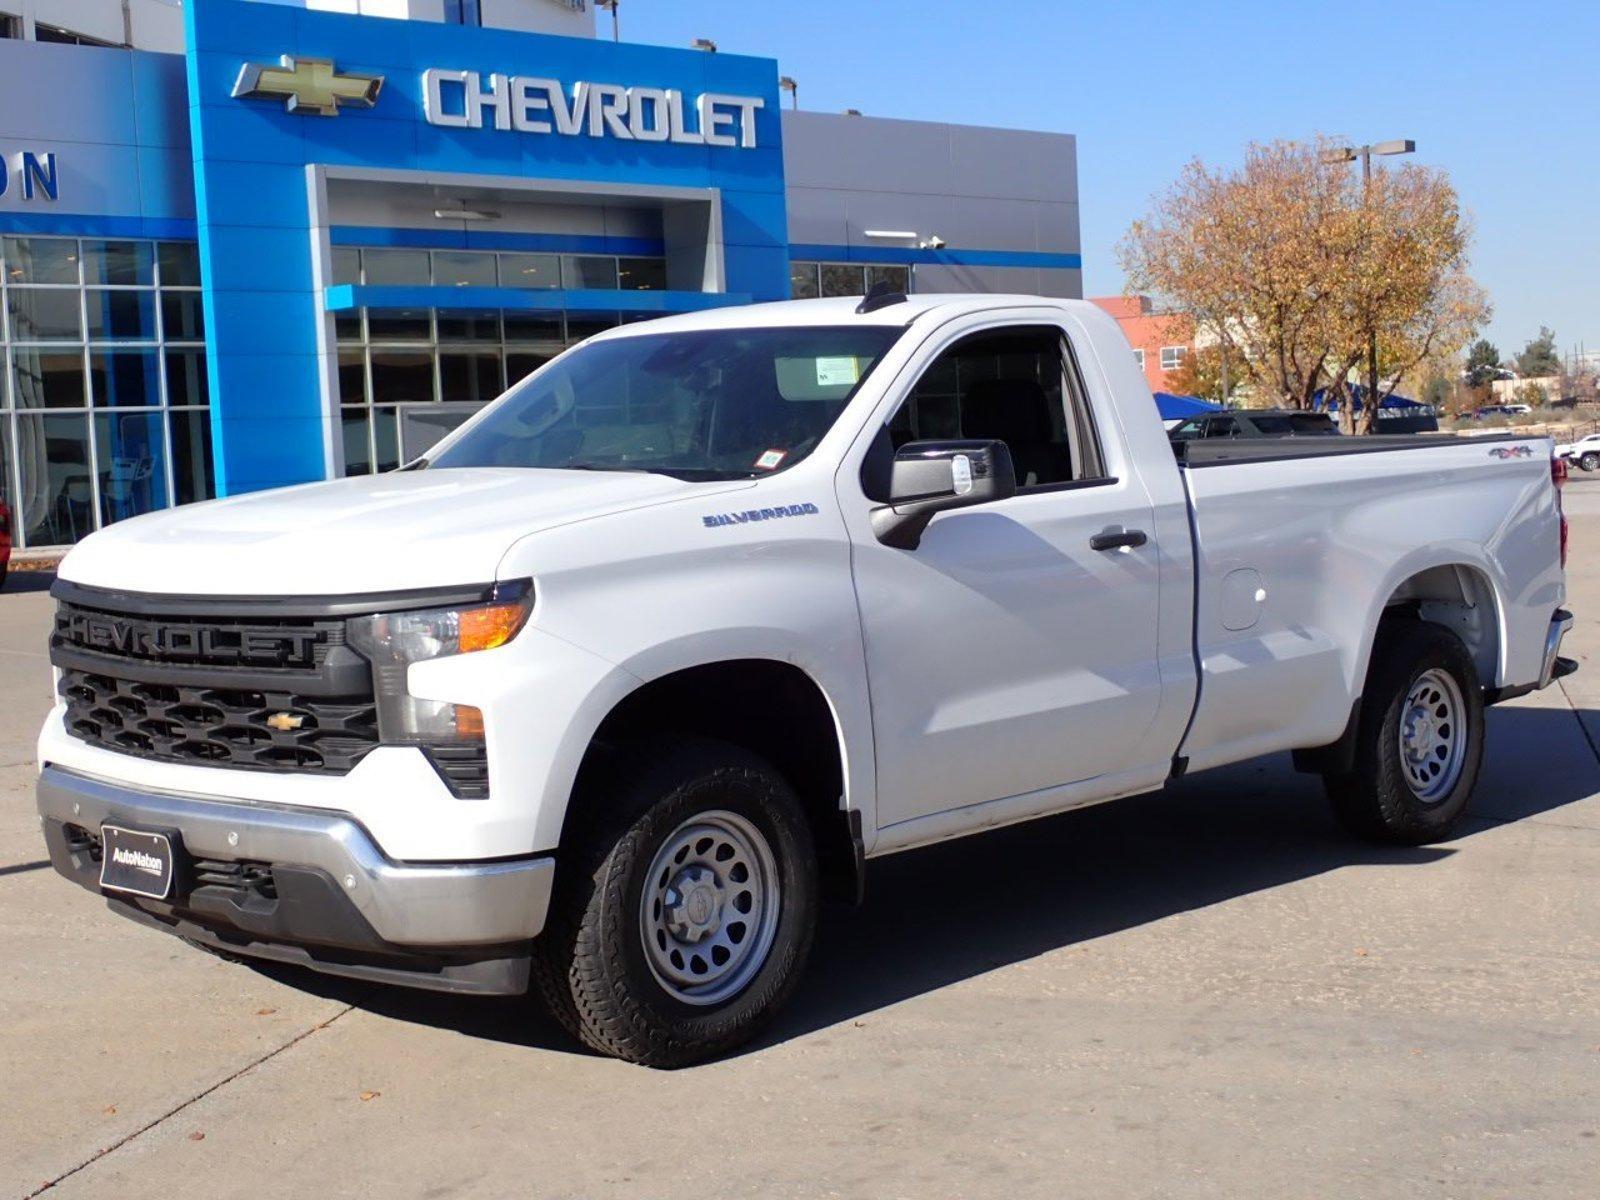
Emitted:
pixel 1203 992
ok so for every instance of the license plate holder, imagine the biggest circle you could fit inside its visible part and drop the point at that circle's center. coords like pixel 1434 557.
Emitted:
pixel 138 862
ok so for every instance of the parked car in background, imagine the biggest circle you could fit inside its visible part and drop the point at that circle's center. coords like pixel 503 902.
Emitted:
pixel 1503 410
pixel 1585 452
pixel 1255 423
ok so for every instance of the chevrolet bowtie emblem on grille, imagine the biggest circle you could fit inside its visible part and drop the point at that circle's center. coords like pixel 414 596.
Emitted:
pixel 284 722
pixel 308 85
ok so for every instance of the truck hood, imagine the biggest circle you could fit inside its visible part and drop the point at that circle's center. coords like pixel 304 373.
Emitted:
pixel 375 533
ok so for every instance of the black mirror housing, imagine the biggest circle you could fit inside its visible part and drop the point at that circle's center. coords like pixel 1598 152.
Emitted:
pixel 928 478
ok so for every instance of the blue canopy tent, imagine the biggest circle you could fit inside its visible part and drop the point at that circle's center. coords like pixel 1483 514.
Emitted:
pixel 1176 408
pixel 1321 400
pixel 1397 414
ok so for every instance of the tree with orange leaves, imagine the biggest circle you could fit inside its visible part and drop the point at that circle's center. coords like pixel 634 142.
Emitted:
pixel 1296 266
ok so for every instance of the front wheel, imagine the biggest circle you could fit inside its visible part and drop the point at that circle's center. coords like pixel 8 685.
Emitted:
pixel 1589 461
pixel 1419 739
pixel 683 919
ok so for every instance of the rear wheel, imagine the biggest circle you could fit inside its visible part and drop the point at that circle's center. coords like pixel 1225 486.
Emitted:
pixel 1419 740
pixel 1589 461
pixel 684 916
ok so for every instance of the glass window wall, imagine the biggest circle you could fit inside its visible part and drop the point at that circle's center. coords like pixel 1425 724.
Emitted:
pixel 409 376
pixel 103 398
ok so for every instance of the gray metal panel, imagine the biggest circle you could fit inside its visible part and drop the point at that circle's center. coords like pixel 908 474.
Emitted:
pixel 994 223
pixel 1056 227
pixel 865 153
pixel 1064 284
pixel 898 211
pixel 817 215
pixel 977 189
pixel 1012 162
pixel 956 277
pixel 50 92
pixel 116 121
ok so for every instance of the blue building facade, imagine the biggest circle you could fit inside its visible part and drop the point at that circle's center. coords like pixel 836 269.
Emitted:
pixel 315 242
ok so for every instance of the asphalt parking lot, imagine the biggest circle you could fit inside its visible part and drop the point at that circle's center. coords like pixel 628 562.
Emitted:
pixel 1203 992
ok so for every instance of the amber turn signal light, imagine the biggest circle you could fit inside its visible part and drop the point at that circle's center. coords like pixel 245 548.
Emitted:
pixel 490 626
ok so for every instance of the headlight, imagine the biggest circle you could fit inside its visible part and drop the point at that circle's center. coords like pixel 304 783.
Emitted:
pixel 393 641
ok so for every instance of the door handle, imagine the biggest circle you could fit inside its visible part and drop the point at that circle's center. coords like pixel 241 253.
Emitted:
pixel 1117 539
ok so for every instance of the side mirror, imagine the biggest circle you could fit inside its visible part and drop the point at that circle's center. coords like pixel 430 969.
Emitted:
pixel 928 478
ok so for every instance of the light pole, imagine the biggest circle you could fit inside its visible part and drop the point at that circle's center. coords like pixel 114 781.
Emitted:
pixel 616 20
pixel 786 83
pixel 1344 154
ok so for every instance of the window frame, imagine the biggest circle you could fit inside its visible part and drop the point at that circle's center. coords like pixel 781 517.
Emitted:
pixel 1179 353
pixel 1080 426
pixel 865 271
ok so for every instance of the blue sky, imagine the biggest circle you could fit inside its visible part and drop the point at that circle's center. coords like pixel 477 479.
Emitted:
pixel 1506 97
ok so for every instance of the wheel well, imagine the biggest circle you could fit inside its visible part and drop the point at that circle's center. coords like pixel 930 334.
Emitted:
pixel 1457 597
pixel 773 709
pixel 1461 599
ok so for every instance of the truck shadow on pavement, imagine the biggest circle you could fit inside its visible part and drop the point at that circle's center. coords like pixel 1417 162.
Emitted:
pixel 940 915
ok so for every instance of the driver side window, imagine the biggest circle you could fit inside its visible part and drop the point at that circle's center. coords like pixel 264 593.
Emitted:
pixel 1018 386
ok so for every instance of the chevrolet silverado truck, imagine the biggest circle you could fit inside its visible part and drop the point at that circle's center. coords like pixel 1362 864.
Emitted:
pixel 604 696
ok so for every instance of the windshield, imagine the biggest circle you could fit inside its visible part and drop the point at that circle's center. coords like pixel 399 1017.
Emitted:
pixel 700 404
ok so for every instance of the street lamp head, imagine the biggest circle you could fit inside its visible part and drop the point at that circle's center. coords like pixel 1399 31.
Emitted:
pixel 787 83
pixel 1339 154
pixel 1395 146
pixel 705 44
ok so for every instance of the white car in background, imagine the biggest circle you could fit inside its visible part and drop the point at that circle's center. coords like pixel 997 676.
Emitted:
pixel 1585 452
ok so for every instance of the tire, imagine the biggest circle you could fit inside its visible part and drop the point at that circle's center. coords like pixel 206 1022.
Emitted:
pixel 1589 462
pixel 668 835
pixel 1419 738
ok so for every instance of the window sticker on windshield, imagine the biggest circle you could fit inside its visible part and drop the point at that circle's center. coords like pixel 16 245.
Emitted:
pixel 838 371
pixel 769 460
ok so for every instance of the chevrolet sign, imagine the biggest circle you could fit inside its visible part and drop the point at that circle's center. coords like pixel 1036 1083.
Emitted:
pixel 532 104
pixel 308 85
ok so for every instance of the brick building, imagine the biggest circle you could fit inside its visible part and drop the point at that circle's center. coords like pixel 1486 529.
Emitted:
pixel 1160 341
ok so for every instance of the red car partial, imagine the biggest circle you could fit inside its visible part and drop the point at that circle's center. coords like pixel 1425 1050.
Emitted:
pixel 5 541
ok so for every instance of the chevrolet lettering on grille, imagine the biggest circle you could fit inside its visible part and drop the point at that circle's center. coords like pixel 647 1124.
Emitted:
pixel 165 641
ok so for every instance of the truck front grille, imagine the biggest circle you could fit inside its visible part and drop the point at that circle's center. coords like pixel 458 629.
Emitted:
pixel 221 727
pixel 188 680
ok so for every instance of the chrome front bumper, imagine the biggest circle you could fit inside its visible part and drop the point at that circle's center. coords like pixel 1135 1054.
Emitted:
pixel 424 906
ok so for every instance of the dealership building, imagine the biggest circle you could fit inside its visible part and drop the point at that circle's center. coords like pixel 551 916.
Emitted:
pixel 245 244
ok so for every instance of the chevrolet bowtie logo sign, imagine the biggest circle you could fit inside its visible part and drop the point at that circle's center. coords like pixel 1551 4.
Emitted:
pixel 308 85
pixel 284 722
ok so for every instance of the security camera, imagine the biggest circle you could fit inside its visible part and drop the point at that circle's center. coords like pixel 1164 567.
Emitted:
pixel 934 243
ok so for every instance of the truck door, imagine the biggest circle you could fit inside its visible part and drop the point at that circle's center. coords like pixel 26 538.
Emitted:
pixel 1007 654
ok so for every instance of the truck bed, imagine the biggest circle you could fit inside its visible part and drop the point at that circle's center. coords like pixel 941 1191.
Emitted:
pixel 1219 451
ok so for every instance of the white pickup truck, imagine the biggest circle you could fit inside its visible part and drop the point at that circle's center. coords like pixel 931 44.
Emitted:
pixel 664 646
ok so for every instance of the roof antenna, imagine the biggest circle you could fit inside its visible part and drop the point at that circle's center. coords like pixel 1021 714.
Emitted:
pixel 880 295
